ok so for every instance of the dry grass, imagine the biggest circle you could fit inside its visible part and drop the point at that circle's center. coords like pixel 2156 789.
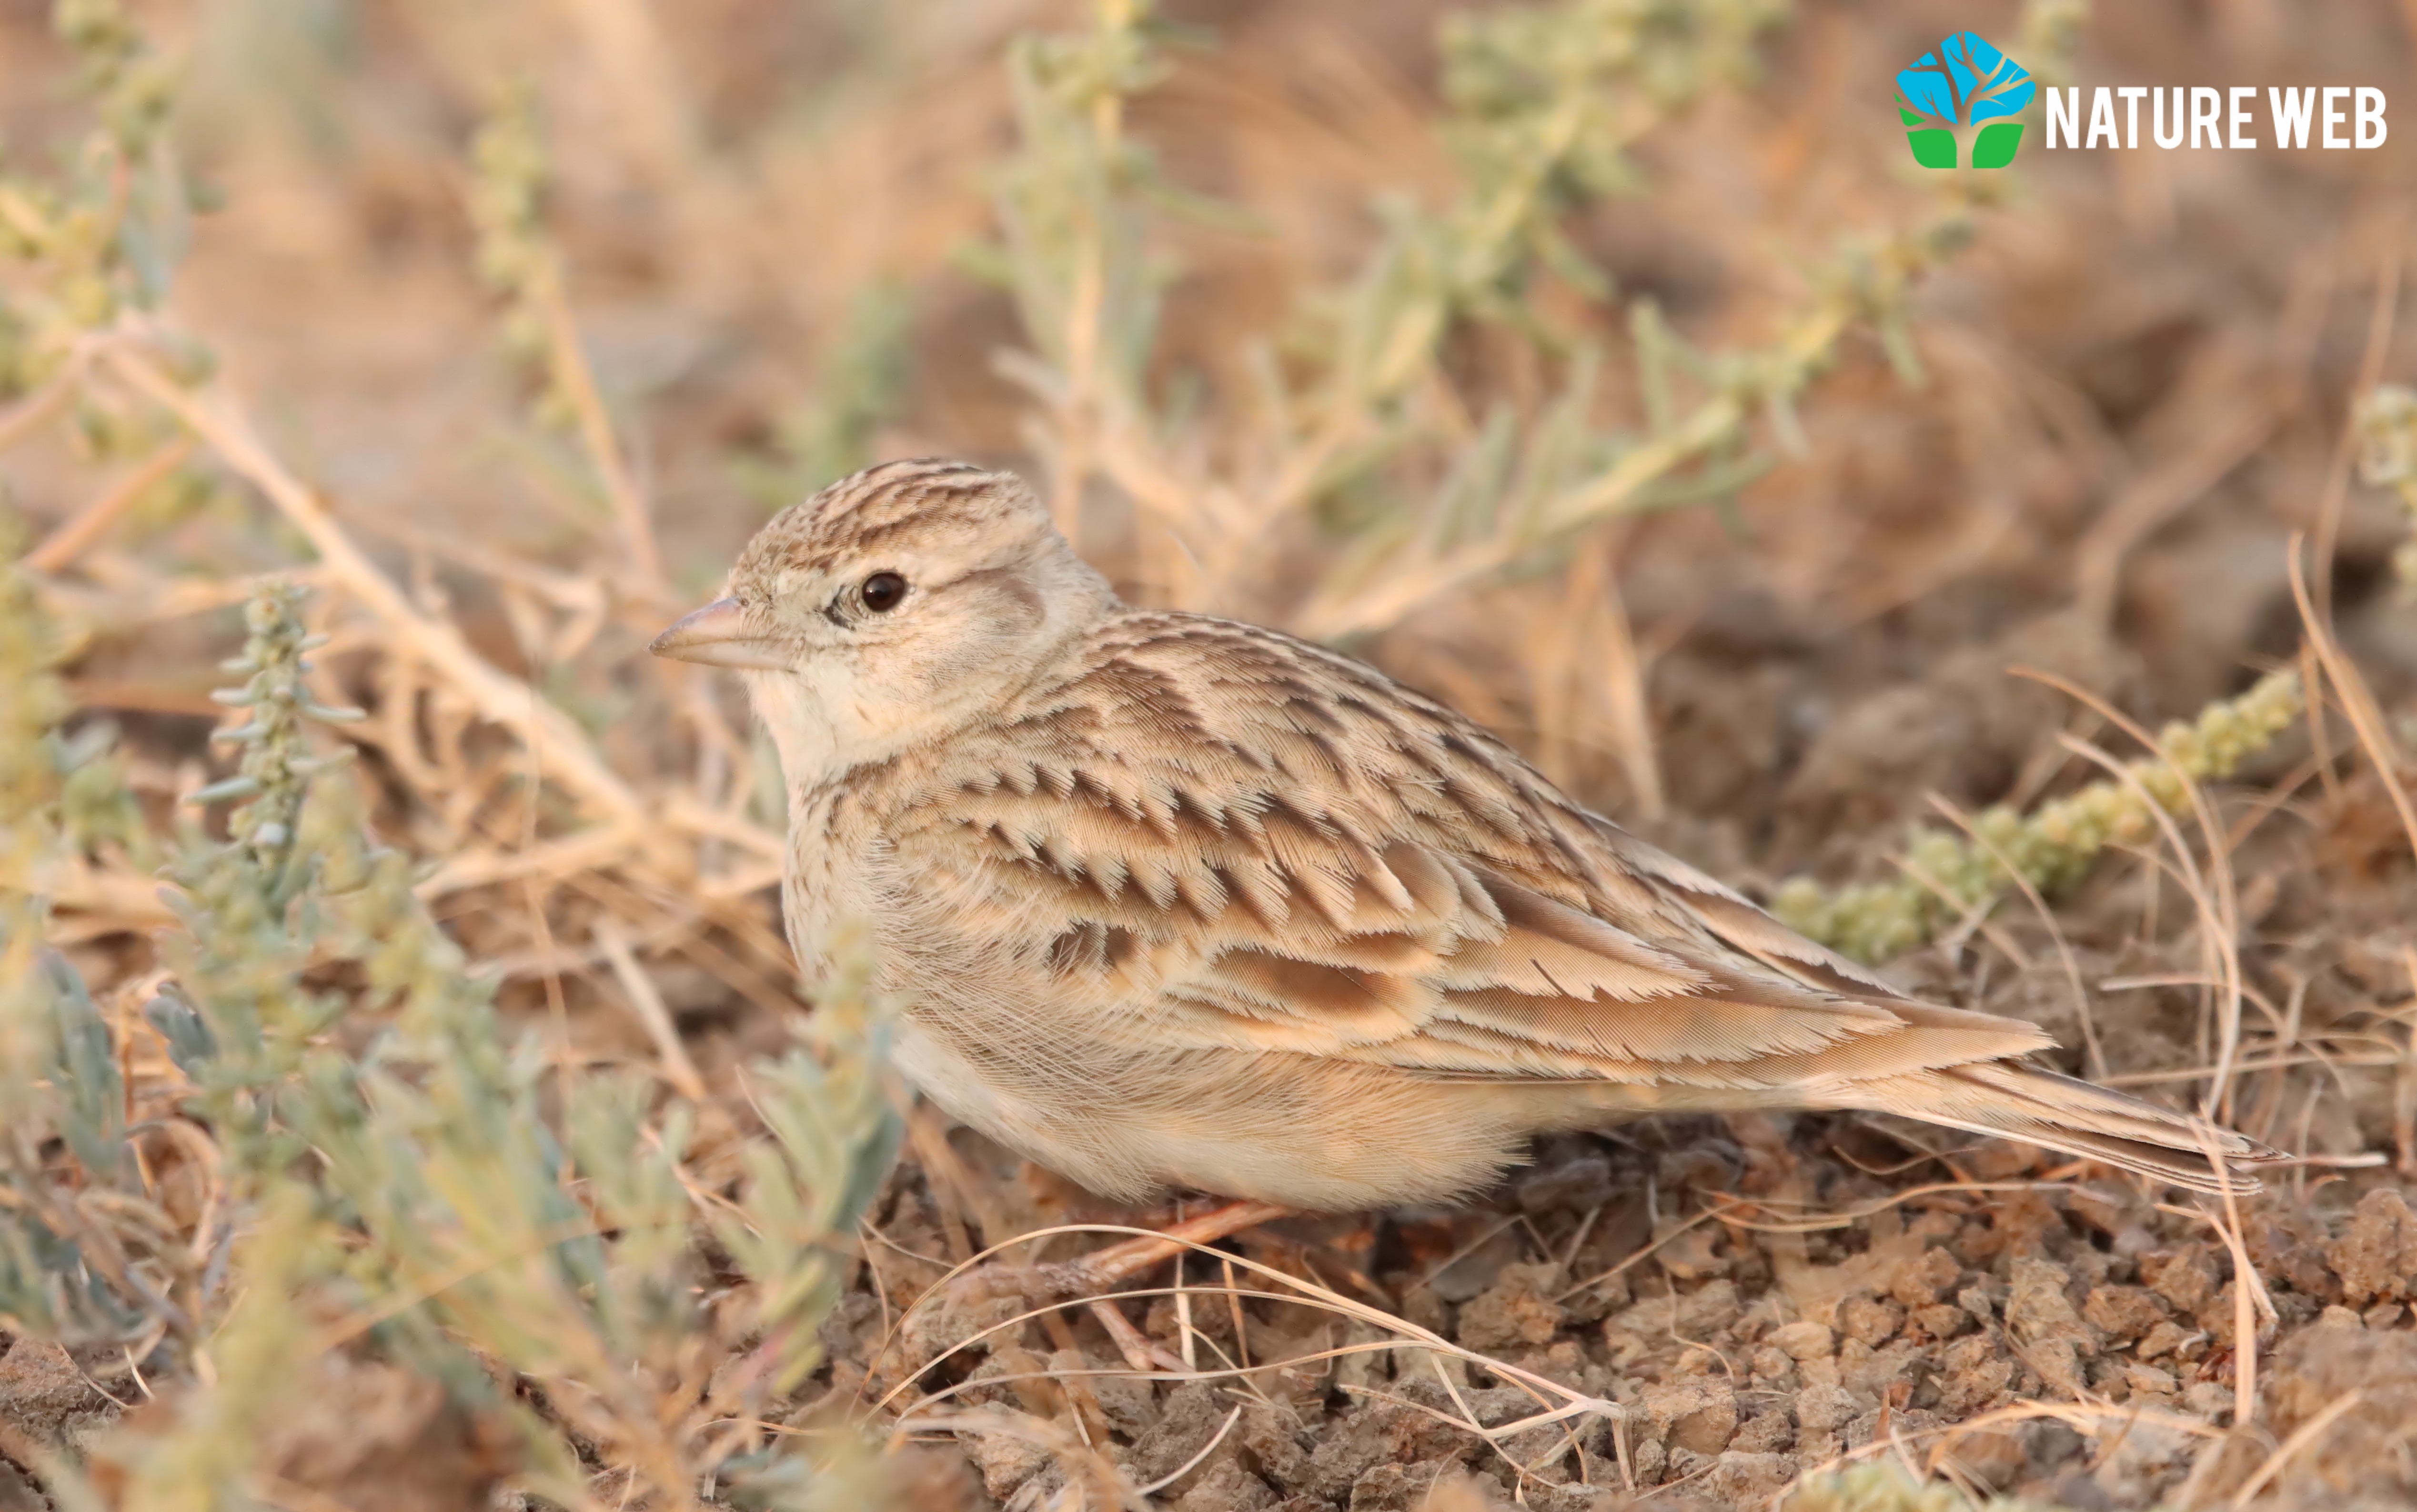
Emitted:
pixel 1636 398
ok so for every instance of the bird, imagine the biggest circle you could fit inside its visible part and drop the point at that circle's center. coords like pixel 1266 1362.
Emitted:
pixel 1181 903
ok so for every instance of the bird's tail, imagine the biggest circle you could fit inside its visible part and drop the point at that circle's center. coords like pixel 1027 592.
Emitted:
pixel 2011 1099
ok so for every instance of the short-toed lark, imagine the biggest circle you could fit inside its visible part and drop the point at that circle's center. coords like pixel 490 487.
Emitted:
pixel 1179 901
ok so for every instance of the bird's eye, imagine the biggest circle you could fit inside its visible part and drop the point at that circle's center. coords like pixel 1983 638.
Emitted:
pixel 882 591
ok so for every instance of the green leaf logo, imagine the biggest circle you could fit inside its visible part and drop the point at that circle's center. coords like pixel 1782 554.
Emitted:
pixel 1964 89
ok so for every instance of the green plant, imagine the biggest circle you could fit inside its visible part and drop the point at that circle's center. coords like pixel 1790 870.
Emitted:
pixel 410 1197
pixel 1883 1486
pixel 2386 421
pixel 1947 876
pixel 1364 437
pixel 862 387
pixel 59 1079
pixel 104 234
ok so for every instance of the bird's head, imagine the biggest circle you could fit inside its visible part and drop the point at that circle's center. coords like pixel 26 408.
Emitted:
pixel 892 607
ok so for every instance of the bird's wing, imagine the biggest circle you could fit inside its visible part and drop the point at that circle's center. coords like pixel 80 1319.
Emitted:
pixel 1242 841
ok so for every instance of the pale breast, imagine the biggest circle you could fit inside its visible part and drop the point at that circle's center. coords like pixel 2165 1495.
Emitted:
pixel 825 879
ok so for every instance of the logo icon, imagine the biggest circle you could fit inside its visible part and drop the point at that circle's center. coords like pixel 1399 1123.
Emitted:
pixel 1960 86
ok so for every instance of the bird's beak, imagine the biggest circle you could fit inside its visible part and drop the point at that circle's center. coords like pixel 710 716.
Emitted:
pixel 717 636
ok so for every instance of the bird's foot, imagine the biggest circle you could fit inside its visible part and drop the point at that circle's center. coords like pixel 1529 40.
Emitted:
pixel 1105 1269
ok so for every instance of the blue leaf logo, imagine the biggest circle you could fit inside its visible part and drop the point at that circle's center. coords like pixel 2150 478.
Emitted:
pixel 1963 83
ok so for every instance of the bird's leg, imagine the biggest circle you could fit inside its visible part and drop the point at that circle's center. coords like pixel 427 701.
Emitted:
pixel 1141 1351
pixel 1103 1268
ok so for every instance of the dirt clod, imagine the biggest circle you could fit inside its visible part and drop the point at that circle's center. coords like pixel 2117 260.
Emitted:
pixel 1974 1373
pixel 2321 1366
pixel 1697 1414
pixel 2377 1258
pixel 1868 1322
pixel 1745 1479
pixel 2038 1312
pixel 2123 1313
pixel 1226 1487
pixel 1517 1309
pixel 1804 1340
pixel 2186 1276
pixel 1190 1418
pixel 373 1438
pixel 46 1396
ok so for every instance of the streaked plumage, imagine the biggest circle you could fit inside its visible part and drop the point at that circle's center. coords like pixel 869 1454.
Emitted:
pixel 1183 902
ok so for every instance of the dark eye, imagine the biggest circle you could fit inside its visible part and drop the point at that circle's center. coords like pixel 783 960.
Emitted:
pixel 882 591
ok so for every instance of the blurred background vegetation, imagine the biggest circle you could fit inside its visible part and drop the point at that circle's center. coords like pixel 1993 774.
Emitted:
pixel 375 378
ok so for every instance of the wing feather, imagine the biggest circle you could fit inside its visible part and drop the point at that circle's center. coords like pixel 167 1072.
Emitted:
pixel 1219 839
pixel 1429 902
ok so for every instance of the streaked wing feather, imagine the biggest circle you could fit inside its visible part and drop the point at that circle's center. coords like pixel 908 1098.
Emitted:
pixel 1213 864
pixel 1433 904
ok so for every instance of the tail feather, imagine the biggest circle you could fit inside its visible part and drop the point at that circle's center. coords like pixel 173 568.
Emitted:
pixel 2013 1100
